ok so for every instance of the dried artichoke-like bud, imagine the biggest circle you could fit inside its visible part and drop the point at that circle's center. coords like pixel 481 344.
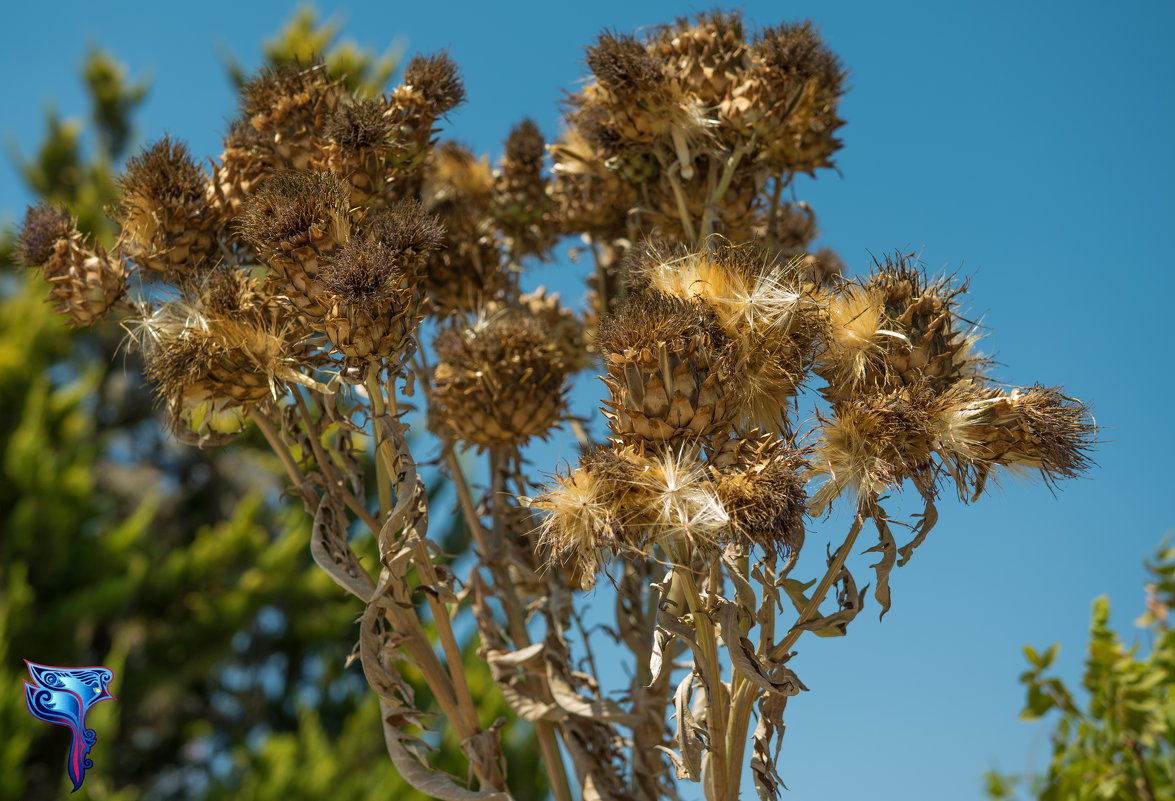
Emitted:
pixel 1038 428
pixel 216 353
pixel 758 480
pixel 295 220
pixel 761 308
pixel 874 443
pixel 167 223
pixel 290 105
pixel 468 272
pixel 370 283
pixel 790 99
pixel 357 138
pixel 238 172
pixel 498 382
pixel 86 281
pixel 432 88
pixel 589 197
pixel 521 205
pixel 934 350
pixel 669 370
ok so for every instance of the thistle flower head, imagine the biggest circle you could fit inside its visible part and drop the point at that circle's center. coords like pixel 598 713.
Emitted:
pixel 874 443
pixel 438 80
pixel 44 225
pixel 499 381
pixel 292 208
pixel 167 224
pixel 359 126
pixel 1034 429
pixel 623 65
pixel 758 480
pixel 668 368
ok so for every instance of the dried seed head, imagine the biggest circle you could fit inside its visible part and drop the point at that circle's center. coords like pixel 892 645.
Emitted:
pixel 359 126
pixel 292 208
pixel 1038 428
pixel 86 281
pixel 623 65
pixel 362 273
pixel 668 369
pixel 589 197
pixel 762 309
pixel 795 85
pixel 44 225
pixel 437 79
pixel 498 382
pixel 935 350
pixel 285 95
pixel 409 231
pixel 674 499
pixel 521 205
pixel 874 443
pixel 167 224
pixel 859 334
pixel 215 353
pixel 758 480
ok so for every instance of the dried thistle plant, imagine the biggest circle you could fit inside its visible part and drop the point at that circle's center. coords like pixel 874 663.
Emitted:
pixel 286 286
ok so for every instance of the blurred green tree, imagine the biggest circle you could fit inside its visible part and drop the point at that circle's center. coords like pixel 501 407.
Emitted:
pixel 1119 745
pixel 180 569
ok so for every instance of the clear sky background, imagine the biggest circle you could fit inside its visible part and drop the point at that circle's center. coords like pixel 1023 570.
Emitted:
pixel 1029 146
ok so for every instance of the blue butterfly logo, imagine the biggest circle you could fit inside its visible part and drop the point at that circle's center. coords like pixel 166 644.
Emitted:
pixel 63 696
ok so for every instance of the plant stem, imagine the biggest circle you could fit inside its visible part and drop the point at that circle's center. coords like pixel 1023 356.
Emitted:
pixel 744 697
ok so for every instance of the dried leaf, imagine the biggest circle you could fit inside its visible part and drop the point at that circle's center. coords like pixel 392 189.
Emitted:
pixel 688 735
pixel 769 728
pixel 746 662
pixel 328 546
pixel 887 547
pixel 929 518
pixel 432 783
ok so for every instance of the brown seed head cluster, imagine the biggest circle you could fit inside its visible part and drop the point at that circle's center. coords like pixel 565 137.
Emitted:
pixel 521 204
pixel 694 113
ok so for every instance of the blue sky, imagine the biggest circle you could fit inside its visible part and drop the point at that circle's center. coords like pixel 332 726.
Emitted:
pixel 1028 146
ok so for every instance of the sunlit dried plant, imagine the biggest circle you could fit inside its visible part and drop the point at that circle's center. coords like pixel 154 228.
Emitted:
pixel 289 285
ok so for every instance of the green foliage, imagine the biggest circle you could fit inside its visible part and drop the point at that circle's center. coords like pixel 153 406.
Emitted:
pixel 1121 745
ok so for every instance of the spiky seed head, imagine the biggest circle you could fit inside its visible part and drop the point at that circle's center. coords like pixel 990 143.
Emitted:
pixel 288 95
pixel 874 443
pixel 521 205
pixel 938 348
pixel 762 308
pixel 1033 429
pixel 499 381
pixel 292 208
pixel 758 480
pixel 217 351
pixel 858 336
pixel 790 102
pixel 44 225
pixel 438 80
pixel 668 369
pixel 86 281
pixel 369 283
pixel 623 65
pixel 359 126
pixel 525 145
pixel 166 221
